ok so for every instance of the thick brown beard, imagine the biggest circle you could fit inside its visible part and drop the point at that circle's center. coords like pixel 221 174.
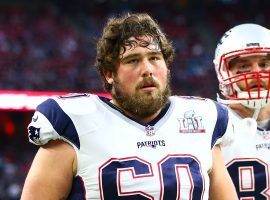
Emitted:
pixel 141 105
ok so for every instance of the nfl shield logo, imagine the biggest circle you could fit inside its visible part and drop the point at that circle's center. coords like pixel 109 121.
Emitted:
pixel 266 135
pixel 150 130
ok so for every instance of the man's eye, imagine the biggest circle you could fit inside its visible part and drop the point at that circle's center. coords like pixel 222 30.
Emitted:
pixel 243 68
pixel 132 61
pixel 265 65
pixel 154 58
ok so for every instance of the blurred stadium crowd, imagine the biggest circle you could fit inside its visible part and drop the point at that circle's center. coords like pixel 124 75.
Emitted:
pixel 50 46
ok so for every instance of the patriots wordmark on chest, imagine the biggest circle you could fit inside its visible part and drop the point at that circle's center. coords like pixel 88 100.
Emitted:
pixel 261 146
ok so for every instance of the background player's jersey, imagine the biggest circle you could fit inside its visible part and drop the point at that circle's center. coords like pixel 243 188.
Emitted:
pixel 248 159
pixel 120 157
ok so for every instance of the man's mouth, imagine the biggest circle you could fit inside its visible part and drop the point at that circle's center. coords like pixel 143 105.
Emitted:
pixel 256 87
pixel 148 86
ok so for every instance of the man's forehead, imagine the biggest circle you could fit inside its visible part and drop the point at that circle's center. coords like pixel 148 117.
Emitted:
pixel 142 41
pixel 250 58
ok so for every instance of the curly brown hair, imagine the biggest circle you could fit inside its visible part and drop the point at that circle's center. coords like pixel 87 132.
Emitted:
pixel 115 35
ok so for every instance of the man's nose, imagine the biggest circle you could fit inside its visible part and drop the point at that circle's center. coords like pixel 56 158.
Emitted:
pixel 147 68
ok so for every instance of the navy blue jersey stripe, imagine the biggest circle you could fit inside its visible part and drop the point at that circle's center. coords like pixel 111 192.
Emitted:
pixel 60 121
pixel 221 124
pixel 77 190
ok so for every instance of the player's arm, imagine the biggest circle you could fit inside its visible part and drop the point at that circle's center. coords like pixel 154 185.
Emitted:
pixel 51 173
pixel 221 185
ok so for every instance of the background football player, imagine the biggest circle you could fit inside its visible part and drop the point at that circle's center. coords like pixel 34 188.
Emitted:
pixel 242 64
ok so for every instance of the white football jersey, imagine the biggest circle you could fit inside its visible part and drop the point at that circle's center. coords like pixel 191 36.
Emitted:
pixel 248 159
pixel 121 158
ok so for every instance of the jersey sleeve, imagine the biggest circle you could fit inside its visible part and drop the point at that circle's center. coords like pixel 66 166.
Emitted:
pixel 50 122
pixel 224 128
pixel 40 131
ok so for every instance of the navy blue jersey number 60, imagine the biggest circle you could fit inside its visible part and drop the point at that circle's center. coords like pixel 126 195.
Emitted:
pixel 170 180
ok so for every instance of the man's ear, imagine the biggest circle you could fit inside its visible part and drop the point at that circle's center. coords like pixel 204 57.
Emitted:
pixel 108 76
